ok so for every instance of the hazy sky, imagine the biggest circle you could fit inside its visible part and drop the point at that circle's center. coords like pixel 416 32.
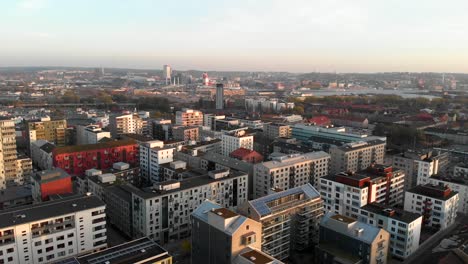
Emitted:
pixel 264 35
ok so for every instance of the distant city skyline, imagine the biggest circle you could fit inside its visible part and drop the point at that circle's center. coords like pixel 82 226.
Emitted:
pixel 261 35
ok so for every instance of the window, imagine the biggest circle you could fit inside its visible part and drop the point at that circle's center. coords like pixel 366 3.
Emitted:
pixel 37 243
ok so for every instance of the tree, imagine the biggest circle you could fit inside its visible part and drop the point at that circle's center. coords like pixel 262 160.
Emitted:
pixel 299 110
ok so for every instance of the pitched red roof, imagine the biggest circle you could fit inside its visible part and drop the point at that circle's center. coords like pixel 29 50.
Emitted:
pixel 320 120
pixel 242 152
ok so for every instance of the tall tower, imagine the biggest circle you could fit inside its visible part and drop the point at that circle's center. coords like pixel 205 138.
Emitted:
pixel 167 72
pixel 8 154
pixel 219 96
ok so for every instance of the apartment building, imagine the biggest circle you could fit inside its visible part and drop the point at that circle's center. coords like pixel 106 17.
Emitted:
pixel 289 171
pixel 356 156
pixel 219 235
pixel 163 211
pixel 404 227
pixel 159 128
pixel 127 124
pixel 11 170
pixel 53 131
pixel 290 219
pixel 41 154
pixel 419 166
pixel 189 117
pixel 152 155
pixel 345 240
pixel 345 193
pixel 438 204
pixel 236 139
pixel 209 120
pixel 90 134
pixel 186 134
pixel 52 231
pixel 77 159
pixel 458 183
pixel 275 130
pixel 142 250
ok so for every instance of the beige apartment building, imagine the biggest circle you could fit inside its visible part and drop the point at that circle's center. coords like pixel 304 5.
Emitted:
pixel 53 131
pixel 189 117
pixel 357 156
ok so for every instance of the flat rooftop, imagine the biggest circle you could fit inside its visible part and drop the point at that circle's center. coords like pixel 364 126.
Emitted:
pixel 343 219
pixel 391 212
pixel 257 257
pixel 36 212
pixel 90 147
pixel 434 191
pixel 225 213
pixel 135 251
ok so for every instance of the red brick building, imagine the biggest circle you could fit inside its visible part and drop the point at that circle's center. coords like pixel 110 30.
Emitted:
pixel 247 155
pixel 77 159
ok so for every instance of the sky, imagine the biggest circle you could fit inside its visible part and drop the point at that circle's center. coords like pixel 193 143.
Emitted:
pixel 239 35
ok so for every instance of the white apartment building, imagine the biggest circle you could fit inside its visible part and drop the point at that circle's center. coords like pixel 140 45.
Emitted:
pixel 152 154
pixel 404 227
pixel 461 170
pixel 289 171
pixel 189 117
pixel 346 193
pixel 127 124
pixel 234 140
pixel 356 156
pixel 438 204
pixel 419 167
pixel 51 231
pixel 458 184
pixel 90 134
pixel 163 212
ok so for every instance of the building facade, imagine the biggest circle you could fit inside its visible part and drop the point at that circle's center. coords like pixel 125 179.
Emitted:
pixel 219 235
pixel 438 204
pixel 345 240
pixel 163 212
pixel 356 156
pixel 290 219
pixel 152 154
pixel 346 193
pixel 290 171
pixel 51 130
pixel 189 117
pixel 77 159
pixel 54 230
pixel 234 140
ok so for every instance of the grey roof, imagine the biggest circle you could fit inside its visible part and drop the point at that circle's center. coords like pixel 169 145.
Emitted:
pixel 187 183
pixel 15 192
pixel 397 214
pixel 130 252
pixel 120 192
pixel 48 147
pixel 204 209
pixel 433 191
pixel 368 234
pixel 36 212
pixel 228 162
pixel 50 175
pixel 261 204
pixel 291 159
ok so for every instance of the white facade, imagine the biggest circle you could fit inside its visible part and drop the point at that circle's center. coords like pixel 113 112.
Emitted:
pixel 163 214
pixel 8 154
pixel 152 155
pixel 404 227
pixel 437 210
pixel 128 124
pixel 426 168
pixel 460 187
pixel 41 158
pixel 346 196
pixel 90 134
pixel 290 171
pixel 52 231
pixel 231 142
